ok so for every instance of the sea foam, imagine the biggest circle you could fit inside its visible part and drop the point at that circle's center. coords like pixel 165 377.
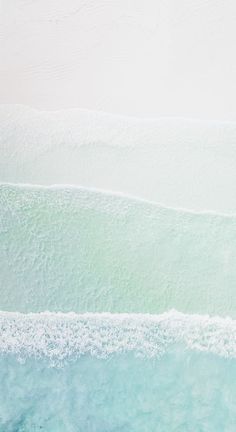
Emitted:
pixel 58 336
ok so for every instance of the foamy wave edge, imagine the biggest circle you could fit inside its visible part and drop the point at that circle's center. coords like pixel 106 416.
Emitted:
pixel 61 336
pixel 111 196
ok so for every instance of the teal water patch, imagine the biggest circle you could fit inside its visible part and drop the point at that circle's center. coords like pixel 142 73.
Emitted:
pixel 181 391
pixel 131 373
pixel 65 248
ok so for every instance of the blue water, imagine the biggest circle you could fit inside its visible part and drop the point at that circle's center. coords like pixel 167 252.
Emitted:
pixel 117 372
pixel 181 391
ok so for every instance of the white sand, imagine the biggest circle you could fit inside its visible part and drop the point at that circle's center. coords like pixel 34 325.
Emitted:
pixel 136 57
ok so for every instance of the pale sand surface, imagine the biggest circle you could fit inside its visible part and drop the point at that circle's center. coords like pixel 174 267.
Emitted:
pixel 143 57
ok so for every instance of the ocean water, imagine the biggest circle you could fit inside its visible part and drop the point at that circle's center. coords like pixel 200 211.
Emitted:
pixel 87 276
pixel 125 372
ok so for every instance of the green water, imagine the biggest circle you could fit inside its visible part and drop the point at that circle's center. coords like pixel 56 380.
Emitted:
pixel 73 249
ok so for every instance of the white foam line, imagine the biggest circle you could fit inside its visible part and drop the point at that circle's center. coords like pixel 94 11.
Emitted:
pixel 115 194
pixel 59 336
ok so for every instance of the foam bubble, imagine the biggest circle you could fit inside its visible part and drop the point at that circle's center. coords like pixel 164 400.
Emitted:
pixel 59 336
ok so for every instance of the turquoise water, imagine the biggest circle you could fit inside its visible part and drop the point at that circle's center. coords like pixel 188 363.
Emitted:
pixel 137 368
pixel 182 391
pixel 105 373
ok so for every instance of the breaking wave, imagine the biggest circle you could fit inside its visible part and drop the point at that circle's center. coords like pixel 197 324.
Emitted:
pixel 59 336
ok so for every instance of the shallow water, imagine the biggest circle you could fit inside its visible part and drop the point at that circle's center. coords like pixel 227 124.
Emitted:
pixel 178 162
pixel 73 249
